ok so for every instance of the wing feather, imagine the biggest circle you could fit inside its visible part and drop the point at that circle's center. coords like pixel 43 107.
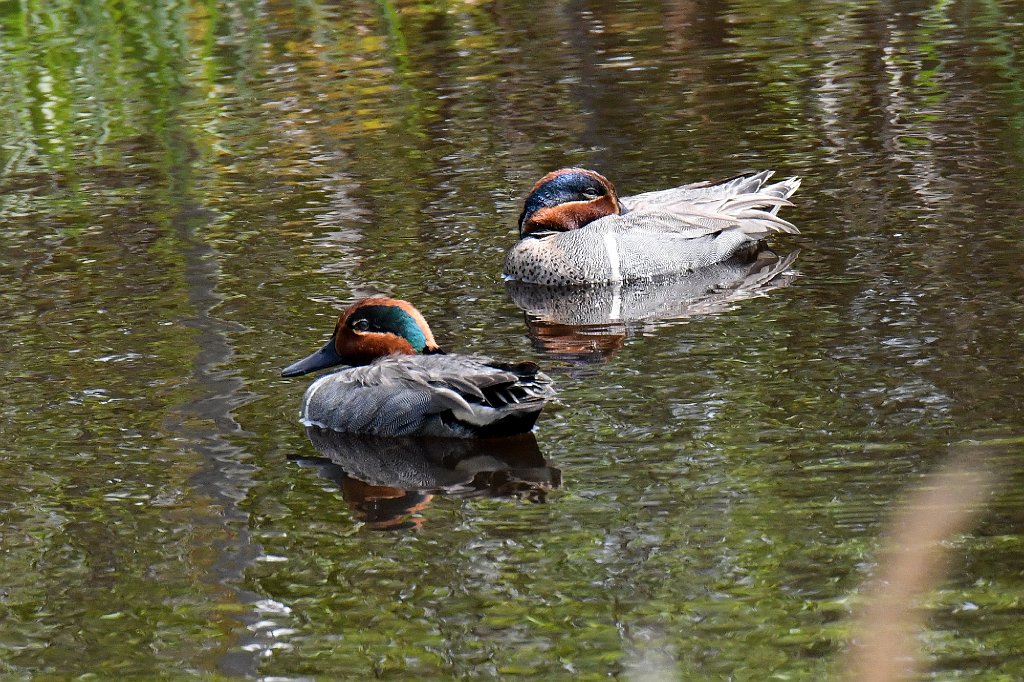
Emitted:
pixel 745 203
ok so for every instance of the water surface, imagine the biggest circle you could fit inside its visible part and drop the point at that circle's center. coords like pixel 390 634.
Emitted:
pixel 190 192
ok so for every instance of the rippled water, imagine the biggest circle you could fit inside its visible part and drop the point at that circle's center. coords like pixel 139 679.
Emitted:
pixel 189 193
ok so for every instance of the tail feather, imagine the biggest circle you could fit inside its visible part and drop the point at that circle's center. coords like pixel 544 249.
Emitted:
pixel 783 190
pixel 747 202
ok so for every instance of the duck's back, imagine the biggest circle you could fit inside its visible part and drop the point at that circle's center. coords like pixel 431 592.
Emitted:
pixel 755 183
pixel 460 396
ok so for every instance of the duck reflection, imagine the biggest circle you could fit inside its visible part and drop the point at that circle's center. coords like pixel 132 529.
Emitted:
pixel 386 481
pixel 590 324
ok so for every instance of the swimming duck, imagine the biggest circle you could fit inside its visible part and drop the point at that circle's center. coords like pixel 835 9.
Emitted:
pixel 575 229
pixel 402 384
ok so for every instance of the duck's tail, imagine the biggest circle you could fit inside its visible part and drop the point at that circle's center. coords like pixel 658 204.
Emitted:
pixel 757 206
pixel 783 189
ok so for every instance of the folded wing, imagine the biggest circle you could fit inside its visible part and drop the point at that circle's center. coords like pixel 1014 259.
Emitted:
pixel 441 395
pixel 747 202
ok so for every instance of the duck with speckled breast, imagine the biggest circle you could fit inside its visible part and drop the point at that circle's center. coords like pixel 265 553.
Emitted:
pixel 575 230
pixel 401 384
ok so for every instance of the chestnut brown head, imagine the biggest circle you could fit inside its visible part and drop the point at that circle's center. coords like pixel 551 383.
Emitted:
pixel 567 199
pixel 367 330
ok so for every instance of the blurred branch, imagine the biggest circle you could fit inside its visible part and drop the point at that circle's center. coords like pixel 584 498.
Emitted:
pixel 885 647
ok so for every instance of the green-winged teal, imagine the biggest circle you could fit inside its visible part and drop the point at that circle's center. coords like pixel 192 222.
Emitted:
pixel 402 384
pixel 575 230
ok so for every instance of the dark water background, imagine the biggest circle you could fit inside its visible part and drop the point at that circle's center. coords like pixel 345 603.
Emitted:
pixel 190 192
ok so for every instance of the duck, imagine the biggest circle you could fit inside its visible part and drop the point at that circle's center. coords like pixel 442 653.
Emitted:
pixel 399 383
pixel 575 230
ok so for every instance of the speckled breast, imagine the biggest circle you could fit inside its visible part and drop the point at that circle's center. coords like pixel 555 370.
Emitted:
pixel 563 259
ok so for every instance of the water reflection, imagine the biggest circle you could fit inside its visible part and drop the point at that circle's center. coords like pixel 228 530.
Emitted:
pixel 388 481
pixel 589 324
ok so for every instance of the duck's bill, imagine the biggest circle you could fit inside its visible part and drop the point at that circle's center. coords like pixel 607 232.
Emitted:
pixel 322 359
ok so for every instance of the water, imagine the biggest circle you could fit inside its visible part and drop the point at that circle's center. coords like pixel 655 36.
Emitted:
pixel 189 194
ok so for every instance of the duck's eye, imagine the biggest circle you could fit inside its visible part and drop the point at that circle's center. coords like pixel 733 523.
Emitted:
pixel 591 193
pixel 361 325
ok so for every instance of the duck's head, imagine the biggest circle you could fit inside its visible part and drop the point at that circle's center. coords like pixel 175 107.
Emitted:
pixel 567 199
pixel 369 329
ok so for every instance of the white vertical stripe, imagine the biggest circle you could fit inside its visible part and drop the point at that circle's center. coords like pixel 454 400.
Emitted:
pixel 613 255
pixel 616 311
pixel 317 385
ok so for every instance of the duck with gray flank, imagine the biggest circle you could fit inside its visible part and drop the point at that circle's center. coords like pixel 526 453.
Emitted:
pixel 575 230
pixel 401 384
